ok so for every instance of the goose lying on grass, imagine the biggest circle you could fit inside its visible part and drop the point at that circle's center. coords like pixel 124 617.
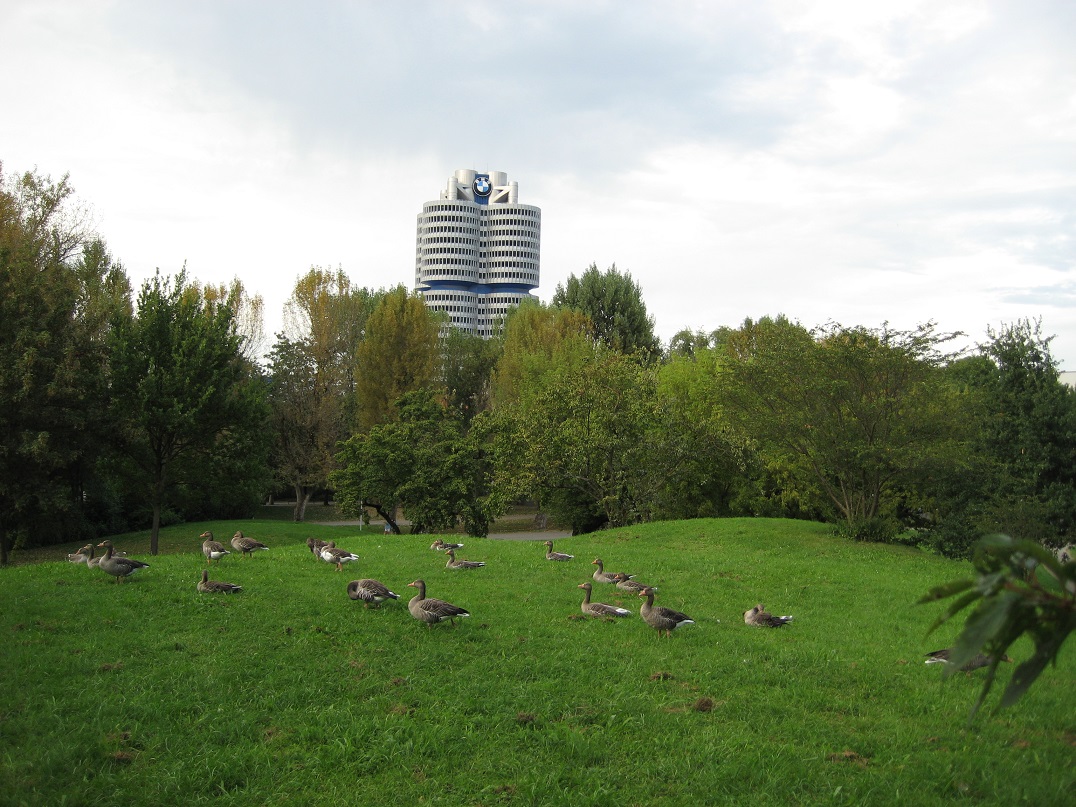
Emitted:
pixel 625 583
pixel 761 618
pixel 602 576
pixel 431 610
pixel 207 586
pixel 599 609
pixel 79 556
pixel 659 617
pixel 117 566
pixel 212 549
pixel 462 564
pixel 977 661
pixel 246 545
pixel 370 591
pixel 551 555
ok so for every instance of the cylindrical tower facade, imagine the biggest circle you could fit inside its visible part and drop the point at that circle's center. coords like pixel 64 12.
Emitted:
pixel 478 250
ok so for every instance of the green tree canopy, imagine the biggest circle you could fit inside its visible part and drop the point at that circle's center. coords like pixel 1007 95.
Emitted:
pixel 859 411
pixel 179 385
pixel 614 303
pixel 54 307
pixel 398 355
pixel 425 462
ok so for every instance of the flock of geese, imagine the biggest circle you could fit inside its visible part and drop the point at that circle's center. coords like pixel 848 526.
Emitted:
pixel 431 610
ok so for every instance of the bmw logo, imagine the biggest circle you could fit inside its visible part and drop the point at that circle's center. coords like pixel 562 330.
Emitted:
pixel 481 186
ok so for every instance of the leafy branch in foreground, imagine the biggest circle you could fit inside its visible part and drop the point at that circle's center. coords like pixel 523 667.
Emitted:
pixel 1020 587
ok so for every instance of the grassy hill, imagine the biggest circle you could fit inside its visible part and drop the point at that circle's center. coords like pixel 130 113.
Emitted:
pixel 147 692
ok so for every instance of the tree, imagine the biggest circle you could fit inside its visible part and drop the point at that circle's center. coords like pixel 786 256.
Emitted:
pixel 1019 589
pixel 859 412
pixel 583 440
pixel 614 303
pixel 467 364
pixel 179 384
pixel 425 462
pixel 398 355
pixel 313 378
pixel 53 306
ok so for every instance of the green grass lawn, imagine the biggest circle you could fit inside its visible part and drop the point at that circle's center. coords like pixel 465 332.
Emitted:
pixel 147 692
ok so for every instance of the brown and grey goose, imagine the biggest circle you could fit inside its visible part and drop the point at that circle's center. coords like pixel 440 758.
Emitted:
pixel 977 661
pixel 330 553
pixel 247 546
pixel 599 609
pixel 602 576
pixel 370 591
pixel 625 583
pixel 761 618
pixel 462 564
pixel 551 555
pixel 116 565
pixel 80 555
pixel 659 617
pixel 315 545
pixel 207 586
pixel 431 610
pixel 441 546
pixel 212 548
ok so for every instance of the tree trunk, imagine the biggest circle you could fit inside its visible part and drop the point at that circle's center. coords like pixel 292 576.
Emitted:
pixel 385 515
pixel 302 497
pixel 3 546
pixel 158 503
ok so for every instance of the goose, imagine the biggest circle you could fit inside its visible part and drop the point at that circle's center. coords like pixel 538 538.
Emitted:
pixel 207 586
pixel 625 583
pixel 331 554
pixel 315 545
pixel 659 617
pixel 602 576
pixel 551 555
pixel 370 591
pixel 246 545
pixel 116 565
pixel 79 556
pixel 92 561
pixel 599 608
pixel 760 617
pixel 430 610
pixel 977 661
pixel 442 546
pixel 212 549
pixel 462 564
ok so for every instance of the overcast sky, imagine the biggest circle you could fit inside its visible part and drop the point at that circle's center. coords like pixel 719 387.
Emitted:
pixel 844 161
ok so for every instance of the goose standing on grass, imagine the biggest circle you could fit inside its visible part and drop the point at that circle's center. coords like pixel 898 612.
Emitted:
pixel 599 608
pixel 207 586
pixel 659 617
pixel 315 545
pixel 430 610
pixel 761 618
pixel 602 576
pixel 212 549
pixel 625 583
pixel 246 545
pixel 370 591
pixel 977 661
pixel 117 566
pixel 441 546
pixel 331 554
pixel 462 564
pixel 551 555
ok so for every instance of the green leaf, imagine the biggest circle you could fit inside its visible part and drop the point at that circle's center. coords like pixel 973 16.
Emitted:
pixel 945 590
pixel 955 608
